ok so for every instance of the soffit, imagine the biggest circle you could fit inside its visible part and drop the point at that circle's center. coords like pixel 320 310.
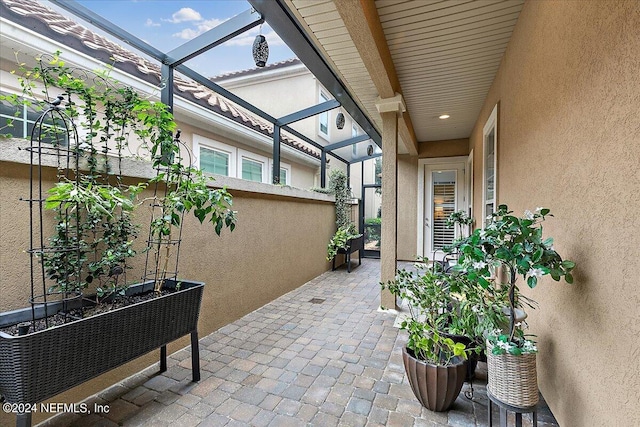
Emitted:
pixel 445 53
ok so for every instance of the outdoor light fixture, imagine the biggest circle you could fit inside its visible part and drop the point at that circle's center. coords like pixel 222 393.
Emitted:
pixel 444 116
pixel 260 50
pixel 369 150
pixel 340 120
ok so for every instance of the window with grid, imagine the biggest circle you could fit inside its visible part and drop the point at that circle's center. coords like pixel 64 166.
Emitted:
pixel 324 117
pixel 214 161
pixel 490 165
pixel 19 120
pixel 251 170
pixel 444 204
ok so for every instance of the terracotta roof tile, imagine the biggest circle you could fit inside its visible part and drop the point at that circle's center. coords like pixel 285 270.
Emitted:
pixel 91 42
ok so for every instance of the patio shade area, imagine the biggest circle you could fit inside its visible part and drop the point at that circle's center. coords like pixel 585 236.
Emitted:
pixel 321 355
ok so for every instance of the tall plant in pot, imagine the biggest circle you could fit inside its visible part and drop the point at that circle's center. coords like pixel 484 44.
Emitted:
pixel 515 245
pixel 436 366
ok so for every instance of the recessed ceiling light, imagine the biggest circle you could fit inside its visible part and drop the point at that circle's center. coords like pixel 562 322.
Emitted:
pixel 444 116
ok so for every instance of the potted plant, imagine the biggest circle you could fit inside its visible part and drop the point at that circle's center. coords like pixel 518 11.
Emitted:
pixel 346 239
pixel 93 235
pixel 516 246
pixel 436 366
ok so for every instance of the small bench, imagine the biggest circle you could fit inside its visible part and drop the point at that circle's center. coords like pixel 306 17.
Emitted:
pixel 353 245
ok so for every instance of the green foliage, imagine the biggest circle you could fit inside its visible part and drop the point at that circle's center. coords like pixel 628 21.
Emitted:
pixel 94 233
pixel 501 344
pixel 340 240
pixel 428 297
pixel 516 244
pixel 339 188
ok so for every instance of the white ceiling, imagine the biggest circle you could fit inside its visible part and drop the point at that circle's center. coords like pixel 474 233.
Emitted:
pixel 445 54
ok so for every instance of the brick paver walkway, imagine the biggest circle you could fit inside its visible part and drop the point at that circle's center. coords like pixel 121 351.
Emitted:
pixel 294 362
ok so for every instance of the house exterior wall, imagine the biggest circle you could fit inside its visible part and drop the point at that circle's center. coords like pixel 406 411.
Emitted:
pixel 568 95
pixel 280 95
pixel 242 270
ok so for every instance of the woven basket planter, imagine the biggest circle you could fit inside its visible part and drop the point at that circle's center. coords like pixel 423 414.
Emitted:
pixel 513 379
pixel 435 386
pixel 40 365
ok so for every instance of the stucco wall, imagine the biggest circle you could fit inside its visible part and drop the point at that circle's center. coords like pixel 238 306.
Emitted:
pixel 279 244
pixel 568 138
pixel 407 207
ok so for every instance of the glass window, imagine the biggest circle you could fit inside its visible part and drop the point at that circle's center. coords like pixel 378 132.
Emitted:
pixel 354 133
pixel 251 170
pixel 324 117
pixel 444 204
pixel 214 161
pixel 18 121
pixel 489 184
pixel 283 176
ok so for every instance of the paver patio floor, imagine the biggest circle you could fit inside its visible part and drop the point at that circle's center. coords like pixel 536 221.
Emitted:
pixel 332 362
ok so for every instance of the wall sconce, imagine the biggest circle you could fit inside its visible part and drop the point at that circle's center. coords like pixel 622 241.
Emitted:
pixel 369 150
pixel 340 120
pixel 260 50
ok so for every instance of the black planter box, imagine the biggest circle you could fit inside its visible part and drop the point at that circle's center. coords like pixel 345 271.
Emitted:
pixel 42 364
pixel 353 245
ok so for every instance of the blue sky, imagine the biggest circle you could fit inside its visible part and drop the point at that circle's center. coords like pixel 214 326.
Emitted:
pixel 166 24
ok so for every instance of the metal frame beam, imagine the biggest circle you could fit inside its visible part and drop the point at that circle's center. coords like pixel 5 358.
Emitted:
pixel 363 158
pixel 308 112
pixel 214 37
pixel 347 142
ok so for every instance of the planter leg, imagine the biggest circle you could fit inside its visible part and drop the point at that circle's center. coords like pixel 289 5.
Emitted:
pixel 503 417
pixel 23 420
pixel 163 358
pixel 490 414
pixel 195 356
pixel 349 261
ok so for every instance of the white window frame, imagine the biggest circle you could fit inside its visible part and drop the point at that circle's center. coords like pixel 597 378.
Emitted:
pixel 490 125
pixel 243 154
pixel 201 141
pixel 23 121
pixel 354 133
pixel 324 97
pixel 285 166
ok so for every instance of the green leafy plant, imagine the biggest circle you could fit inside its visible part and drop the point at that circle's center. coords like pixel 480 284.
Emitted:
pixel 339 188
pixel 501 344
pixel 346 228
pixel 427 296
pixel 517 245
pixel 94 233
pixel 340 240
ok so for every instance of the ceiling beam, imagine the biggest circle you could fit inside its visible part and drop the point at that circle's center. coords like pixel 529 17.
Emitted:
pixel 363 24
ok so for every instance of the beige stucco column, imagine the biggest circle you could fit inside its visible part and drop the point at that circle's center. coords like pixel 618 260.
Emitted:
pixel 390 109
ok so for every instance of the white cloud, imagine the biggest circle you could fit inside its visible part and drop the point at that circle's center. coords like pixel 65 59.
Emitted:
pixel 186 34
pixel 150 23
pixel 185 14
pixel 201 27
